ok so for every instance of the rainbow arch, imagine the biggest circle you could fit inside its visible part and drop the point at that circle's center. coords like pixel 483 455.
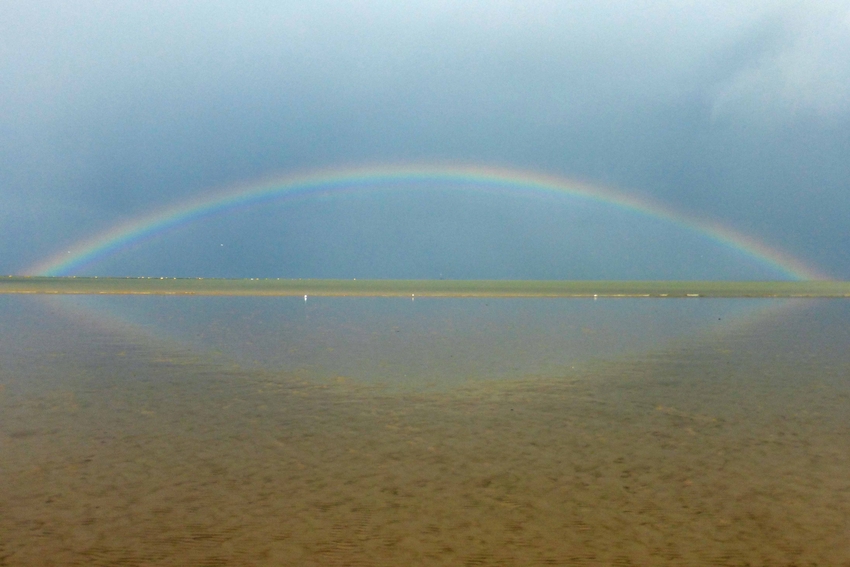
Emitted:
pixel 353 179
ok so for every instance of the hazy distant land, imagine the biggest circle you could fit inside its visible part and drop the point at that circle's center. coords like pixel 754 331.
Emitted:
pixel 423 288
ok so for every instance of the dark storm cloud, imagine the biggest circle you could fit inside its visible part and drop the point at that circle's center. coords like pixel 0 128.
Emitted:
pixel 736 111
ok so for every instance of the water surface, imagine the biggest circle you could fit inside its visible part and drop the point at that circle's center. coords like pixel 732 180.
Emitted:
pixel 267 431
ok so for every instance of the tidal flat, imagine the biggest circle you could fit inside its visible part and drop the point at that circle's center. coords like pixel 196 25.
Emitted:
pixel 132 431
pixel 423 288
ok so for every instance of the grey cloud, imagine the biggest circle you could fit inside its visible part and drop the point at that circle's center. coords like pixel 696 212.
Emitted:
pixel 113 109
pixel 806 76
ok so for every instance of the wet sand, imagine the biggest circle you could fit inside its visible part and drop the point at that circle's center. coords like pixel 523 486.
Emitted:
pixel 733 451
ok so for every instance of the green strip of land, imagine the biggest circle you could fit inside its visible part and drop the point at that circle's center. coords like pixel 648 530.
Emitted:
pixel 421 288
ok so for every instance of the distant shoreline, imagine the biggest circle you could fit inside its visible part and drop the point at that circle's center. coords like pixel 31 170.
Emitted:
pixel 421 288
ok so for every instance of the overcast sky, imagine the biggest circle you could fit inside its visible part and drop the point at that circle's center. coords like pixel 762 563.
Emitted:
pixel 734 112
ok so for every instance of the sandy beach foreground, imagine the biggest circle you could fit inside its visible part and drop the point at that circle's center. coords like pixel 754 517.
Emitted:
pixel 732 451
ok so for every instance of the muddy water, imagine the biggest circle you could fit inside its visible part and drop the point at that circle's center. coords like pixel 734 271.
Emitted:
pixel 728 446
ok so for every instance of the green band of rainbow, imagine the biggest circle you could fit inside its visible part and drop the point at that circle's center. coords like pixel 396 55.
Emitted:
pixel 109 242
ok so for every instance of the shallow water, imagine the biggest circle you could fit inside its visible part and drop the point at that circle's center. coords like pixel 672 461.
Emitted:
pixel 174 431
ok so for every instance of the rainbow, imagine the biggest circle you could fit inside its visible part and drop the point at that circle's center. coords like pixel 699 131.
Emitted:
pixel 350 180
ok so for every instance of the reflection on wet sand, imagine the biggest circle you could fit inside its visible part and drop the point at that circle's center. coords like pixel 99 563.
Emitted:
pixel 731 451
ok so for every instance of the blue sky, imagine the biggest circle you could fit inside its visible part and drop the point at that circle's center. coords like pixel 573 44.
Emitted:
pixel 731 112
